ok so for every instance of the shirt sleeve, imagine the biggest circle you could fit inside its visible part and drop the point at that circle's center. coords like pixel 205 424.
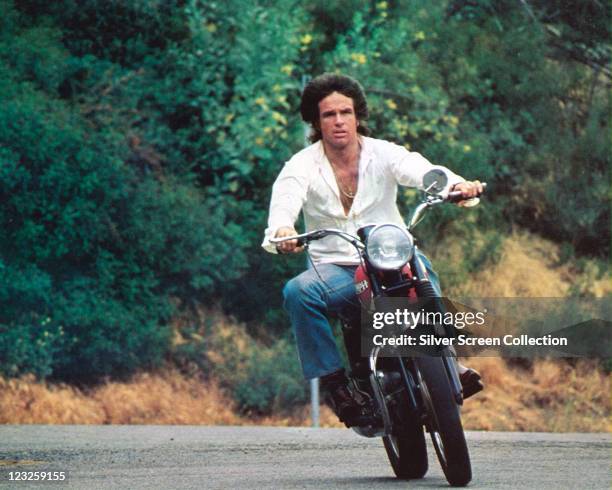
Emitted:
pixel 288 196
pixel 408 168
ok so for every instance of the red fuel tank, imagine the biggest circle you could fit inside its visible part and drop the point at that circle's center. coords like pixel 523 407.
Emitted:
pixel 362 285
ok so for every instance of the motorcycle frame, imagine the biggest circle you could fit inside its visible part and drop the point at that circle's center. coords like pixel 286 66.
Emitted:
pixel 406 365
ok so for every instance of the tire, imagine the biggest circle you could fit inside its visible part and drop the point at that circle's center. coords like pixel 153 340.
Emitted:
pixel 443 420
pixel 407 453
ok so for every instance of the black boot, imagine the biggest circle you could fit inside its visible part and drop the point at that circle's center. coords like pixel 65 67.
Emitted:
pixel 470 382
pixel 350 409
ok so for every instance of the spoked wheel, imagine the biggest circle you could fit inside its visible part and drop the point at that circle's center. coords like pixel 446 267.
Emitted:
pixel 443 420
pixel 407 453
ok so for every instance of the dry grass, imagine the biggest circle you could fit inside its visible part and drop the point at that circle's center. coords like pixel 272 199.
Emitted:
pixel 528 268
pixel 24 401
pixel 550 396
pixel 167 398
pixel 547 396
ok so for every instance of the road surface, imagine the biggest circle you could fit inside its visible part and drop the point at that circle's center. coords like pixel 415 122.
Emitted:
pixel 159 457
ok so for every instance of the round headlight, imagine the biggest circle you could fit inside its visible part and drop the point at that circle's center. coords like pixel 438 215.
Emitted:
pixel 389 247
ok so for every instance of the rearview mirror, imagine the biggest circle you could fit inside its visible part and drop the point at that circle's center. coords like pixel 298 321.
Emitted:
pixel 435 181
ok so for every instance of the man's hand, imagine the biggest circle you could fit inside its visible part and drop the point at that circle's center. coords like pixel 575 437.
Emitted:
pixel 468 190
pixel 289 246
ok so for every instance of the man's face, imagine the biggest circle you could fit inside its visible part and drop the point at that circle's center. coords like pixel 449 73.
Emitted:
pixel 337 120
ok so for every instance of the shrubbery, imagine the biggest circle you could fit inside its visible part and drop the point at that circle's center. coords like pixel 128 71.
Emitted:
pixel 260 376
pixel 139 141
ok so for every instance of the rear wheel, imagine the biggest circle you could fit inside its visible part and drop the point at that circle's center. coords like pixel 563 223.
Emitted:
pixel 443 420
pixel 407 453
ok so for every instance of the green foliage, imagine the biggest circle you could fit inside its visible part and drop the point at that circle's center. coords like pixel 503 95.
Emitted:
pixel 139 141
pixel 537 113
pixel 261 377
pixel 32 341
pixel 95 237
pixel 261 386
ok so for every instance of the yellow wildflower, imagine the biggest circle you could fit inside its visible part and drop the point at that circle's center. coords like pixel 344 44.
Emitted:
pixel 401 126
pixel 267 130
pixel 261 101
pixel 382 5
pixel 420 36
pixel 306 39
pixel 278 117
pixel 287 69
pixel 210 27
pixel 467 148
pixel 391 104
pixel 259 141
pixel 359 58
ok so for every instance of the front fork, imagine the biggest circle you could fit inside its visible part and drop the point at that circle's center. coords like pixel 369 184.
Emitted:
pixel 426 290
pixel 450 363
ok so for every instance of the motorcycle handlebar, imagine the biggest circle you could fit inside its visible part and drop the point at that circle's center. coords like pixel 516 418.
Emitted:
pixel 304 238
pixel 457 196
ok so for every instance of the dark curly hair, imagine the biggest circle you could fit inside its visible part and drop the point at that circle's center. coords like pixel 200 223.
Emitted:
pixel 323 85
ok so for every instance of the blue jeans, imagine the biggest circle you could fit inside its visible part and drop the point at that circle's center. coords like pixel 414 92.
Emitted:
pixel 310 297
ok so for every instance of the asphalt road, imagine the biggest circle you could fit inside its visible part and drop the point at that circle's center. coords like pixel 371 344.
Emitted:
pixel 149 457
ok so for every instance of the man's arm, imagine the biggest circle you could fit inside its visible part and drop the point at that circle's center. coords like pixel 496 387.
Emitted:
pixel 288 196
pixel 409 168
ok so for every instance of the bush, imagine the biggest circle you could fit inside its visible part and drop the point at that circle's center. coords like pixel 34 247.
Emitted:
pixel 139 141
pixel 94 241
pixel 271 379
pixel 261 377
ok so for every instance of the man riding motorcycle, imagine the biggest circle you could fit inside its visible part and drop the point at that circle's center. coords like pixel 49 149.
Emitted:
pixel 344 180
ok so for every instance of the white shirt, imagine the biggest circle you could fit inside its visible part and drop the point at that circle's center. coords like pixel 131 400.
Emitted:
pixel 307 183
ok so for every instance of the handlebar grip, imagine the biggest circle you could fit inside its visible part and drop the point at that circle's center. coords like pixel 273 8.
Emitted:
pixel 456 196
pixel 300 243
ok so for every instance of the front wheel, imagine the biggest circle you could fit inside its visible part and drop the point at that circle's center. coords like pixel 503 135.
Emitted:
pixel 443 420
pixel 407 453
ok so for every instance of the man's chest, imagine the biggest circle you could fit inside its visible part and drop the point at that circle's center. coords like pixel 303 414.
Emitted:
pixel 373 186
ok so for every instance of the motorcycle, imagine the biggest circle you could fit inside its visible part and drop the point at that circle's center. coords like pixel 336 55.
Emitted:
pixel 406 393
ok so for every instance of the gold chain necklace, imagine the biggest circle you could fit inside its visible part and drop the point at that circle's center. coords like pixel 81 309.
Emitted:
pixel 341 186
pixel 350 195
pixel 347 193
